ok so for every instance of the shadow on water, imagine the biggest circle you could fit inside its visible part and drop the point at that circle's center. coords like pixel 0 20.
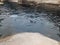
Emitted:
pixel 0 21
pixel 55 17
pixel 27 19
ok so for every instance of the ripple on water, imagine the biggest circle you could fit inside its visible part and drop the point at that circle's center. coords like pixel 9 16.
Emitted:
pixel 29 22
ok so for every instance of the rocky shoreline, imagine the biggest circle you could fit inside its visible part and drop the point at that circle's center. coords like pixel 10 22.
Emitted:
pixel 46 6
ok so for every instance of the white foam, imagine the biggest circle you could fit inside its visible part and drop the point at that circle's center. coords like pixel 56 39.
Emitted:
pixel 14 16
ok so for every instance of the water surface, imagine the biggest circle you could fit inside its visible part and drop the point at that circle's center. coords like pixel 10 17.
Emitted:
pixel 25 19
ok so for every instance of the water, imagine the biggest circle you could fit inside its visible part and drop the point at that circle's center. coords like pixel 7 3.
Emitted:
pixel 25 19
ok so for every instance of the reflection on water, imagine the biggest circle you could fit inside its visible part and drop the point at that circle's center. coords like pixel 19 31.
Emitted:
pixel 25 19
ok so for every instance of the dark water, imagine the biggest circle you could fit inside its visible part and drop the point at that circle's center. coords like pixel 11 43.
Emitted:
pixel 27 19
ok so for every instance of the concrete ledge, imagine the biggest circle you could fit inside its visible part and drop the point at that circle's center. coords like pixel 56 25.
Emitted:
pixel 29 39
